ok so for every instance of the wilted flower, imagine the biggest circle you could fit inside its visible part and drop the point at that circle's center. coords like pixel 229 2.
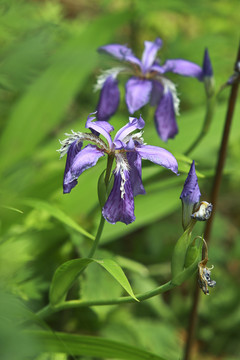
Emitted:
pixel 128 150
pixel 204 279
pixel 147 84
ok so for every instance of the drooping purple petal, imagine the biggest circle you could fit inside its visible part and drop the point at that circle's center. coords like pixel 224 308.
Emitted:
pixel 120 204
pixel 150 53
pixel 120 52
pixel 159 156
pixel 102 127
pixel 165 119
pixel 190 196
pixel 135 163
pixel 74 148
pixel 132 125
pixel 182 67
pixel 77 162
pixel 157 92
pixel 109 99
pixel 138 93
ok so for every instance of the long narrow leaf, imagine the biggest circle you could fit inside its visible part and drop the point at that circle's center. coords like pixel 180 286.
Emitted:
pixel 90 346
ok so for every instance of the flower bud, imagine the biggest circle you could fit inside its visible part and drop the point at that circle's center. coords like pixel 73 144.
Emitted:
pixel 190 196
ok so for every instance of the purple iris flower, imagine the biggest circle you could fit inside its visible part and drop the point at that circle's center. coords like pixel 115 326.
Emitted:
pixel 128 150
pixel 147 84
pixel 190 196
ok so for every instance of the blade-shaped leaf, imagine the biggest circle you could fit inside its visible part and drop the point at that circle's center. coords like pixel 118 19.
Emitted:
pixel 64 277
pixel 116 271
pixel 67 273
pixel 90 346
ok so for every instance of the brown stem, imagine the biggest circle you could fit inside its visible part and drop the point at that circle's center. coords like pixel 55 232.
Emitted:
pixel 213 199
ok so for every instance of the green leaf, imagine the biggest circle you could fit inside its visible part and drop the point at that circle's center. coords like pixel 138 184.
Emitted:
pixel 89 346
pixel 179 253
pixel 67 273
pixel 58 214
pixel 68 69
pixel 116 271
pixel 64 277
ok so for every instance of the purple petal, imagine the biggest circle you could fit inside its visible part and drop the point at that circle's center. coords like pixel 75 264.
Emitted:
pixel 150 53
pixel 102 127
pixel 165 119
pixel 157 92
pixel 132 125
pixel 77 162
pixel 74 148
pixel 190 196
pixel 120 204
pixel 156 68
pixel 109 99
pixel 120 52
pixel 182 67
pixel 135 163
pixel 138 93
pixel 159 156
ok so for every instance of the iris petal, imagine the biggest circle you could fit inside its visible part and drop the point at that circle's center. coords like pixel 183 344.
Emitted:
pixel 132 125
pixel 150 53
pixel 77 162
pixel 138 93
pixel 165 119
pixel 120 52
pixel 135 163
pixel 102 127
pixel 109 99
pixel 120 204
pixel 182 67
pixel 159 156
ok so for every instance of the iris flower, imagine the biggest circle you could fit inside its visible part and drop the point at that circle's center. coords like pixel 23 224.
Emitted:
pixel 147 84
pixel 128 150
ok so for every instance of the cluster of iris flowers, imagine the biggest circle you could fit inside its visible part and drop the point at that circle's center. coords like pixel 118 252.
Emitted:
pixel 147 83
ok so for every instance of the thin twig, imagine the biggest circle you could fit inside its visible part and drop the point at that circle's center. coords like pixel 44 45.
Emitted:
pixel 213 199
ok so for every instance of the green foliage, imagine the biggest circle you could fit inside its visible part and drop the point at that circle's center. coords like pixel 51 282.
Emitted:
pixel 67 273
pixel 49 65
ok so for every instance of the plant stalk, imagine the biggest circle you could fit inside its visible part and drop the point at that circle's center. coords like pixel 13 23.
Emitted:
pixel 213 200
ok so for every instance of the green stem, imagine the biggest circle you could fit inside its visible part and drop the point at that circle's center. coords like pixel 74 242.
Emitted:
pixel 207 121
pixel 48 310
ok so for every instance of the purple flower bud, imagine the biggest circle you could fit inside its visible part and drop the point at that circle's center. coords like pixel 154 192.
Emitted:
pixel 190 196
pixel 207 65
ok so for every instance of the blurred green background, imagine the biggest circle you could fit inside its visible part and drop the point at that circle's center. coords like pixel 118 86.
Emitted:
pixel 48 67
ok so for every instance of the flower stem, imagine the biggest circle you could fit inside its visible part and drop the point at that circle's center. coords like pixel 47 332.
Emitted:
pixel 213 199
pixel 48 310
pixel 207 121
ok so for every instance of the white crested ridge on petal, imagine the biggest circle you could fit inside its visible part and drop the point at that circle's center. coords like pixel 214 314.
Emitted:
pixel 105 74
pixel 169 86
pixel 137 137
pixel 121 167
pixel 79 136
pixel 66 143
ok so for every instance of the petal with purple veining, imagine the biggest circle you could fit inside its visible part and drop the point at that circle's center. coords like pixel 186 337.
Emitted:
pixel 182 67
pixel 108 100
